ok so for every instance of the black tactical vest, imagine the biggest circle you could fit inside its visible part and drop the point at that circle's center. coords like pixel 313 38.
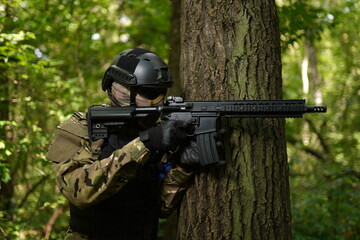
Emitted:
pixel 131 214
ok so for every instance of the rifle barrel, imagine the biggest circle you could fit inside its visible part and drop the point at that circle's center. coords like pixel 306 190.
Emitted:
pixel 315 109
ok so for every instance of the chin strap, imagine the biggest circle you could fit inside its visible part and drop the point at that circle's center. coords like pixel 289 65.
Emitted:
pixel 112 97
pixel 132 97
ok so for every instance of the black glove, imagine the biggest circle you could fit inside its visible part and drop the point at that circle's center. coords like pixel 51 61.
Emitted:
pixel 189 156
pixel 164 137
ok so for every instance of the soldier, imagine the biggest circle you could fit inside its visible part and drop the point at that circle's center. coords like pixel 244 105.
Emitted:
pixel 114 185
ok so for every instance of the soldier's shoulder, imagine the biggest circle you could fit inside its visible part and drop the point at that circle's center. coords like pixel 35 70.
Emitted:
pixel 68 138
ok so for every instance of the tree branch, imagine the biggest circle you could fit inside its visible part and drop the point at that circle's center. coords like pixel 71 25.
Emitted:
pixel 33 189
pixel 4 233
pixel 319 155
pixel 321 139
pixel 352 172
pixel 49 226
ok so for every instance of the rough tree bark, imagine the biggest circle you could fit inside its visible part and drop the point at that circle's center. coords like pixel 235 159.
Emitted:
pixel 231 50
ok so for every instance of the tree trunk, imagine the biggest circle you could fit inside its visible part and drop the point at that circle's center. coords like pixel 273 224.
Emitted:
pixel 6 189
pixel 310 74
pixel 175 49
pixel 231 50
pixel 170 226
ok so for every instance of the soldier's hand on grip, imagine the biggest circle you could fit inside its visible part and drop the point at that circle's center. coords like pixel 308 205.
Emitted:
pixel 189 156
pixel 165 137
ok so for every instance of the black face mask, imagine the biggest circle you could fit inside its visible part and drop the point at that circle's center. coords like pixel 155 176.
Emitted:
pixel 151 93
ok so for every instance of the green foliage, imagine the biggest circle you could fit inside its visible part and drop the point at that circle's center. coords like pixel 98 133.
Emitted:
pixel 53 55
pixel 299 19
pixel 154 16
pixel 324 150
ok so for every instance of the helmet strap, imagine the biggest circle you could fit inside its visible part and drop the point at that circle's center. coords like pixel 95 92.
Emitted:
pixel 132 96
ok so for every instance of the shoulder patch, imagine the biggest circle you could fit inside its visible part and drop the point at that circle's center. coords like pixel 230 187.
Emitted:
pixel 76 125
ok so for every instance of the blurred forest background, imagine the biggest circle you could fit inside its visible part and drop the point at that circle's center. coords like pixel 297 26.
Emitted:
pixel 53 54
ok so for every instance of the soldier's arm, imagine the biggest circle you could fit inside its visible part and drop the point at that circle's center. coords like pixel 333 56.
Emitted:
pixel 173 188
pixel 83 179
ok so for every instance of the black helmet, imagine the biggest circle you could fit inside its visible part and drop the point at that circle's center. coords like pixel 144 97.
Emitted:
pixel 141 70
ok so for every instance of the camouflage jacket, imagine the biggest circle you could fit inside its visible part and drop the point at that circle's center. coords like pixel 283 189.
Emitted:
pixel 84 180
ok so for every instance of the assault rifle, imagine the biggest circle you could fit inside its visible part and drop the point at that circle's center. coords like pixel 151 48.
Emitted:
pixel 202 115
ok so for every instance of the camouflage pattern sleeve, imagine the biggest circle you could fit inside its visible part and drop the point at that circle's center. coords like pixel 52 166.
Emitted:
pixel 173 188
pixel 81 178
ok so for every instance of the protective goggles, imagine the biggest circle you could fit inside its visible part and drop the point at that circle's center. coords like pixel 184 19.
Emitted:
pixel 122 96
pixel 142 101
